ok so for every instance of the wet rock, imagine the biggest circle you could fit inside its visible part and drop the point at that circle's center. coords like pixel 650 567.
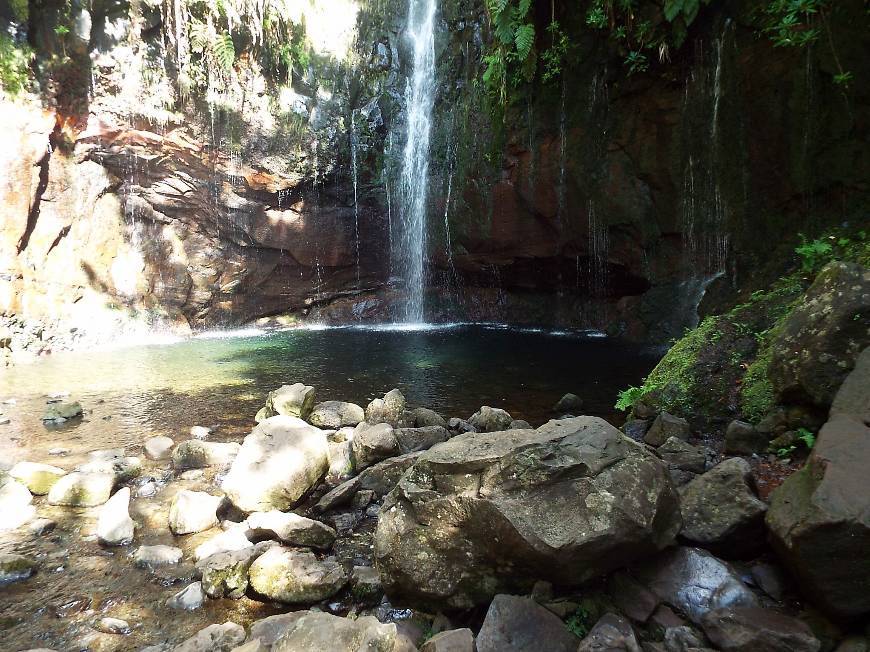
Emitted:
pixel 225 575
pixel 488 419
pixel 336 414
pixel 568 403
pixel 752 629
pixel 521 625
pixel 196 454
pixel 412 440
pixel 112 626
pixel 14 568
pixel 611 633
pixel 666 426
pixel 636 428
pixel 15 504
pixel 315 631
pixel 454 640
pixel 819 524
pixel 41 526
pixel 460 425
pixel 38 478
pixel 380 478
pixel 200 432
pixel 123 469
pixel 79 489
pixel 193 511
pixel 372 443
pixel 158 448
pixel 386 410
pixel 190 598
pixel 424 417
pixel 682 456
pixel 155 556
pixel 296 577
pixel 214 638
pixel 278 463
pixel 234 538
pixel 487 512
pixel 60 412
pixel 819 343
pixel 291 529
pixel 114 525
pixel 295 400
pixel 742 438
pixel 694 581
pixel 721 511
pixel 365 585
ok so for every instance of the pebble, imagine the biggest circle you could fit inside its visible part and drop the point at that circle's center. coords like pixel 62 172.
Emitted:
pixel 41 526
pixel 58 451
pixel 160 555
pixel 192 474
pixel 189 598
pixel 200 432
pixel 4 421
pixel 112 626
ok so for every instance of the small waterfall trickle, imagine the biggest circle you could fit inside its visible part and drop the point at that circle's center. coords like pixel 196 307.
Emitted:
pixel 598 248
pixel 563 145
pixel 354 146
pixel 420 99
pixel 447 243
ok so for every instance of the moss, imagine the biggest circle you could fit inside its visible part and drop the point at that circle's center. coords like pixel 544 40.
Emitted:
pixel 757 395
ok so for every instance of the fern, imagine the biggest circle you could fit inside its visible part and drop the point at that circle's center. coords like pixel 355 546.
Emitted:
pixel 224 51
pixel 525 40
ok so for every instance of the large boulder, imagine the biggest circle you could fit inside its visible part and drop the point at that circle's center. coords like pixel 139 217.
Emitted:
pixel 82 489
pixel 295 400
pixel 518 624
pixel 315 631
pixel 278 463
pixel 193 511
pixel 818 344
pixel 372 443
pixel 489 512
pixel 114 525
pixel 488 419
pixel 336 414
pixel 666 426
pixel 819 520
pixel 721 511
pixel 295 576
pixel 38 478
pixel 225 575
pixel 752 629
pixel 291 529
pixel 386 410
pixel 412 440
pixel 197 454
pixel 380 478
pixel 422 417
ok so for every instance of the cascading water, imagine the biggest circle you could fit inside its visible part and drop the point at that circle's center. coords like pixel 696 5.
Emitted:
pixel 420 98
pixel 353 149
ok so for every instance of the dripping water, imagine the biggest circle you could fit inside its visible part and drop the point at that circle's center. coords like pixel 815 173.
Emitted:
pixel 354 146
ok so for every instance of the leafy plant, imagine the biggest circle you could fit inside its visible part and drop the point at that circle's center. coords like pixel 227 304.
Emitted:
pixel 14 65
pixel 807 437
pixel 514 58
pixel 843 78
pixel 628 397
pixel 578 623
pixel 792 22
pixel 813 253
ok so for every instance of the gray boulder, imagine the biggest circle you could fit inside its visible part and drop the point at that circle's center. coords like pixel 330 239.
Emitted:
pixel 156 556
pixel 453 640
pixel 296 577
pixel 190 598
pixel 372 443
pixel 278 463
pixel 197 454
pixel 193 511
pixel 291 529
pixel 15 504
pixel 853 398
pixel 214 638
pixel 411 440
pixel 316 631
pixel 568 403
pixel 752 629
pixel 79 489
pixel 518 624
pixel 666 426
pixel 380 478
pixel 386 410
pixel 488 419
pixel 742 438
pixel 114 525
pixel 612 633
pixel 158 448
pixel 682 456
pixel 234 538
pixel 424 417
pixel 295 400
pixel 487 512
pixel 336 414
pixel 225 575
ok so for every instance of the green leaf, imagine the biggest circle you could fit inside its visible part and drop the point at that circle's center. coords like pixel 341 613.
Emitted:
pixel 525 39
pixel 224 51
pixel 672 9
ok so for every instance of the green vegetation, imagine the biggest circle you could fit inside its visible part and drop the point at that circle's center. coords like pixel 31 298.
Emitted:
pixel 14 65
pixel 579 623
pixel 628 397
pixel 513 58
pixel 793 22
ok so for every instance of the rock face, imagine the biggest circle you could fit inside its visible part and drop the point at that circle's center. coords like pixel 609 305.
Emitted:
pixel 488 512
pixel 38 478
pixel 296 577
pixel 292 529
pixel 752 629
pixel 522 625
pixel 720 510
pixel 386 410
pixel 82 489
pixel 488 419
pixel 819 520
pixel 196 454
pixel 278 463
pixel 315 631
pixel 819 342
pixel 695 582
pixel 114 526
pixel 193 511
pixel 336 414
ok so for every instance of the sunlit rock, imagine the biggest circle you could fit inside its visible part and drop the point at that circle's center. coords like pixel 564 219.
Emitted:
pixel 15 504
pixel 155 556
pixel 386 410
pixel 488 419
pixel 189 598
pixel 291 529
pixel 336 414
pixel 196 454
pixel 193 511
pixel 80 489
pixel 158 448
pixel 114 525
pixel 296 577
pixel 214 638
pixel 38 478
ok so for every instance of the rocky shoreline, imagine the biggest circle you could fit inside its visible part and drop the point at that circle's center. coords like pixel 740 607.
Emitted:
pixel 390 528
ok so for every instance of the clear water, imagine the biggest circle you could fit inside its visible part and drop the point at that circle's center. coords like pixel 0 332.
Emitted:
pixel 130 394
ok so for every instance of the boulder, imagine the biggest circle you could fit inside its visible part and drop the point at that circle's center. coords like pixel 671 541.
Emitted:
pixel 682 456
pixel 721 511
pixel 225 575
pixel 424 417
pixel 818 343
pixel 38 478
pixel 636 428
pixel 631 597
pixel 61 411
pixel 158 448
pixel 568 403
pixel 114 525
pixel 853 398
pixel 819 520
pixel 453 640
pixel 14 568
pixel 695 582
pixel 340 455
pixel 15 504
pixel 268 630
pixel 193 511
pixel 197 454
pixel 372 443
pixel 214 638
pixel 79 489
pixel 753 629
pixel 316 631
pixel 108 625
pixel 232 539
pixel 485 512
pixel 380 478
pixel 156 556
pixel 295 400
pixel 365 585
pixel 460 425
pixel 279 462
pixel 742 438
pixel 612 633
pixel 296 577
pixel 518 624
pixel 412 440
pixel 666 426
pixel 488 419
pixel 291 529
pixel 386 410
pixel 336 414
pixel 190 598
pixel 519 424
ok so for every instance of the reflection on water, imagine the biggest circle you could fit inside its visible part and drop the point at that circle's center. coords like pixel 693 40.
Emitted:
pixel 130 394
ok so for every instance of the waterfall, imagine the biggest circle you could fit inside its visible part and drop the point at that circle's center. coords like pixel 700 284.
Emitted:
pixel 420 98
pixel 353 156
pixel 598 249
